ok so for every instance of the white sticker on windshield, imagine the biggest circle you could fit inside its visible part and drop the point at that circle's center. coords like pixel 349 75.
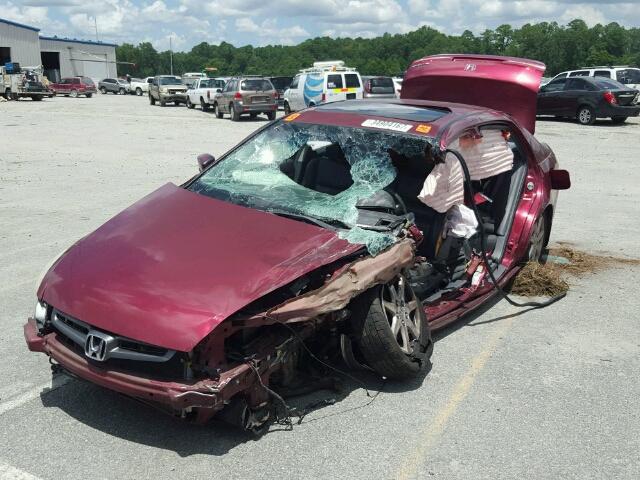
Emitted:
pixel 395 126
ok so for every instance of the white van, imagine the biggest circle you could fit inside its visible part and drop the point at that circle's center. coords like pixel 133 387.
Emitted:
pixel 325 82
pixel 626 75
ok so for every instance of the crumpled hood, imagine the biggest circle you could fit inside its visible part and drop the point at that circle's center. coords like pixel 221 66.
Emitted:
pixel 171 267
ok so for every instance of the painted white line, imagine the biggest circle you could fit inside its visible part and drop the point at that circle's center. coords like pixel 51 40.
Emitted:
pixel 8 472
pixel 33 393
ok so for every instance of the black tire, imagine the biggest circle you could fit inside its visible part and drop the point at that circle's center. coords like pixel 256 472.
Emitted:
pixel 122 91
pixel 74 94
pixel 618 120
pixel 152 101
pixel 138 91
pixel 89 95
pixel 253 116
pixel 235 115
pixel 189 104
pixel 36 98
pixel 287 108
pixel 271 115
pixel 218 112
pixel 395 355
pixel 586 115
pixel 538 240
pixel 163 103
pixel 103 90
pixel 204 105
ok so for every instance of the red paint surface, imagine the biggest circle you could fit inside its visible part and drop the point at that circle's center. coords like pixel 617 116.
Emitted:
pixel 505 84
pixel 171 267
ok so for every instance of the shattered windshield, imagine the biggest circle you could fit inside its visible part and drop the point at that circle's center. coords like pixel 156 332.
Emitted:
pixel 316 171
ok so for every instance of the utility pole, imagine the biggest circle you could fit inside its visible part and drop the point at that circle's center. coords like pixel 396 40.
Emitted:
pixel 170 55
pixel 95 22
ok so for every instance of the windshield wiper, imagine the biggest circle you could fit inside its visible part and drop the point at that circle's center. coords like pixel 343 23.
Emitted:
pixel 328 223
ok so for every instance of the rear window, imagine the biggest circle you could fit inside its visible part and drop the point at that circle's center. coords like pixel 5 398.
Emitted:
pixel 334 81
pixel 602 73
pixel 630 75
pixel 256 84
pixel 281 83
pixel 606 83
pixel 211 83
pixel 87 81
pixel 382 82
pixel 352 80
pixel 580 73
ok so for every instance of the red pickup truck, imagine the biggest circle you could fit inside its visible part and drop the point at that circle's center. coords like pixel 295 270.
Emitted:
pixel 74 86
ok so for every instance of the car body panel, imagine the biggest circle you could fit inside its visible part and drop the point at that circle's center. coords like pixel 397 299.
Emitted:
pixel 504 84
pixel 171 267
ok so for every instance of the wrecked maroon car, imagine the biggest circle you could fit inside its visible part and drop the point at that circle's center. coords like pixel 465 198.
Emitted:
pixel 326 230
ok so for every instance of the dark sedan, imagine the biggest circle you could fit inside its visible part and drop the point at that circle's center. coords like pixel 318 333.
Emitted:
pixel 588 98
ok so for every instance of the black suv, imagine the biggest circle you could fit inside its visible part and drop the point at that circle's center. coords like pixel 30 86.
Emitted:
pixel 588 98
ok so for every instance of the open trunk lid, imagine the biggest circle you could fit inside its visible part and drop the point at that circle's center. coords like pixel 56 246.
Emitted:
pixel 506 84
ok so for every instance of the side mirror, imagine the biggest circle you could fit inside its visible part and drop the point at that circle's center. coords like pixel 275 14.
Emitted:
pixel 204 160
pixel 560 179
pixel 218 90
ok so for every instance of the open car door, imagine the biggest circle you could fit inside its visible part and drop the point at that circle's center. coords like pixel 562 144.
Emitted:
pixel 506 84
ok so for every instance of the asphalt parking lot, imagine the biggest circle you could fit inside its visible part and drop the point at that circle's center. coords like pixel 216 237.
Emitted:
pixel 545 394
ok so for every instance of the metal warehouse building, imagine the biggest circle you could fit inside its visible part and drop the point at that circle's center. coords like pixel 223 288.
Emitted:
pixel 59 57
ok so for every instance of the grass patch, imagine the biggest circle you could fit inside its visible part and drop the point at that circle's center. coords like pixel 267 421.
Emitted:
pixel 551 279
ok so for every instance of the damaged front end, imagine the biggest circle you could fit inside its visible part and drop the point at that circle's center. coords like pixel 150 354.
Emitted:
pixel 240 365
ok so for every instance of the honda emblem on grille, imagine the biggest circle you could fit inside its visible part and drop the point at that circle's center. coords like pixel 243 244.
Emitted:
pixel 470 67
pixel 96 346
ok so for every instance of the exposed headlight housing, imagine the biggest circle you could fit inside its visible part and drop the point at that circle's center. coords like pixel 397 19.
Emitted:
pixel 164 90
pixel 41 314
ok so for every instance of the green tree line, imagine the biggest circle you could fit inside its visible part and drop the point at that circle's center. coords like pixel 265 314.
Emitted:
pixel 560 47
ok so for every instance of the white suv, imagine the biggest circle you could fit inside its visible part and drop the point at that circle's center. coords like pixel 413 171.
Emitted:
pixel 325 82
pixel 628 76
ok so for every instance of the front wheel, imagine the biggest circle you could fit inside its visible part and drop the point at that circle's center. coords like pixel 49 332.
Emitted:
pixel 189 104
pixel 152 101
pixel 204 105
pixel 103 90
pixel 287 108
pixel 586 115
pixel 122 91
pixel 139 91
pixel 618 120
pixel 392 331
pixel 163 103
pixel 89 95
pixel 74 94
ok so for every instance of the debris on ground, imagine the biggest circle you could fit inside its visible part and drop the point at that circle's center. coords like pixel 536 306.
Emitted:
pixel 562 262
pixel 540 280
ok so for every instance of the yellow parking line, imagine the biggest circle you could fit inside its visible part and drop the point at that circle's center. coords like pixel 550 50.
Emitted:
pixel 432 432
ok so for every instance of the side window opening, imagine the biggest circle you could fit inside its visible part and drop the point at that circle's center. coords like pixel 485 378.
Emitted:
pixel 294 82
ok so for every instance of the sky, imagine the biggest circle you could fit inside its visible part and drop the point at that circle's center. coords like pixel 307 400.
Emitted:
pixel 263 22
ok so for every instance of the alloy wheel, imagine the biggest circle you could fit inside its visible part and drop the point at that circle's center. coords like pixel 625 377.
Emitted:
pixel 400 307
pixel 536 244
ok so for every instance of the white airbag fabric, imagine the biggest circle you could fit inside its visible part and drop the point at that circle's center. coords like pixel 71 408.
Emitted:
pixel 485 157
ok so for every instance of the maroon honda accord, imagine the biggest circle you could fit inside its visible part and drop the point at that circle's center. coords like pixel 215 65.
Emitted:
pixel 347 231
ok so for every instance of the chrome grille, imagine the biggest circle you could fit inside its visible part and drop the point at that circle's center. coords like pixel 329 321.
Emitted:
pixel 118 347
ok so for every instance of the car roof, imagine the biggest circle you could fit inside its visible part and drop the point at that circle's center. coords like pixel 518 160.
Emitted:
pixel 425 118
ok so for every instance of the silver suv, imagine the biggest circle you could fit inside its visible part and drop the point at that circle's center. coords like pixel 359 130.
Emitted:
pixel 247 95
pixel 114 85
